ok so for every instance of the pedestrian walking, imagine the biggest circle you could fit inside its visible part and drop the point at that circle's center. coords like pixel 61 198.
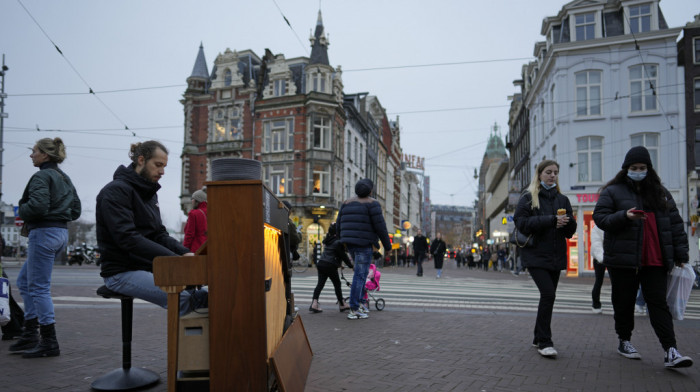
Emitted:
pixel 331 258
pixel 437 249
pixel 360 226
pixel 644 237
pixel 420 249
pixel 537 215
pixel 196 226
pixel 48 203
pixel 597 253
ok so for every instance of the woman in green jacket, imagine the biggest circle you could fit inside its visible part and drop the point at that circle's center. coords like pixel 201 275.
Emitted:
pixel 48 203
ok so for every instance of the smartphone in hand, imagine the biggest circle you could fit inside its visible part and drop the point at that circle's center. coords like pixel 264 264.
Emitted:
pixel 638 212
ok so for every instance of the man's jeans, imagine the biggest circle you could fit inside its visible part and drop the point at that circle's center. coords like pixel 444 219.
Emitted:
pixel 34 279
pixel 140 284
pixel 420 257
pixel 362 257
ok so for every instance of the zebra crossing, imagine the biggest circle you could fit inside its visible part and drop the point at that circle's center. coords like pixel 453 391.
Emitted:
pixel 401 291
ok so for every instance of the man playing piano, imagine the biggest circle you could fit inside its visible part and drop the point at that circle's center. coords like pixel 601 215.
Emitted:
pixel 130 233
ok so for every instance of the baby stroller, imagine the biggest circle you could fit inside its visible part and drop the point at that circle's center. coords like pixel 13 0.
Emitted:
pixel 371 287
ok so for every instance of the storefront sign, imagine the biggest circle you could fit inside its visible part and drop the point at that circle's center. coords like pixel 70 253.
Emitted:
pixel 587 197
pixel 414 162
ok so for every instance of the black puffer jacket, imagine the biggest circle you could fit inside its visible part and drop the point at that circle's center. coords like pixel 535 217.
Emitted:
pixel 622 246
pixel 129 229
pixel 361 222
pixel 550 243
pixel 334 253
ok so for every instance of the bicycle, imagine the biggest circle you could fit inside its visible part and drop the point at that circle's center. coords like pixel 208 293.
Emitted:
pixel 300 265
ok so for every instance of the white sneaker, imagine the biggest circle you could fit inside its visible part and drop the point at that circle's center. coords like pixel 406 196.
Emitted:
pixel 356 314
pixel 547 352
pixel 674 359
pixel 364 309
pixel 597 310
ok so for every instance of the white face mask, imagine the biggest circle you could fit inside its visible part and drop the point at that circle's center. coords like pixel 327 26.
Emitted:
pixel 547 187
pixel 636 175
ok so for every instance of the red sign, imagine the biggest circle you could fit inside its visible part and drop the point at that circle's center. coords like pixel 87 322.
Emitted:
pixel 587 197
pixel 18 221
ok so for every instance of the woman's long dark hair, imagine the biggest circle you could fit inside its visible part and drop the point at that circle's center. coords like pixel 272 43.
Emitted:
pixel 650 188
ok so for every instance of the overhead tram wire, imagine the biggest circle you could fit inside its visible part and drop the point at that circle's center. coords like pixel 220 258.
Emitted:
pixel 75 70
pixel 292 28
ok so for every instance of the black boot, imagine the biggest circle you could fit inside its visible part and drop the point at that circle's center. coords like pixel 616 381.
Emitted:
pixel 29 338
pixel 48 345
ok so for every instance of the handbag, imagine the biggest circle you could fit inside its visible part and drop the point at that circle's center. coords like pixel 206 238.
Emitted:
pixel 521 240
pixel 4 300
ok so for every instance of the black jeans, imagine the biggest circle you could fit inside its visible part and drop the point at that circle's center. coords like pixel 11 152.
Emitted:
pixel 625 282
pixel 420 257
pixel 546 281
pixel 325 271
pixel 599 275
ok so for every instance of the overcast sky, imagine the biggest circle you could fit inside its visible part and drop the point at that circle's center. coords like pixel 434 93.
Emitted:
pixel 148 48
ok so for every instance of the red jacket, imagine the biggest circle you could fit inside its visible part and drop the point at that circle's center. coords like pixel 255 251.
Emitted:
pixel 196 227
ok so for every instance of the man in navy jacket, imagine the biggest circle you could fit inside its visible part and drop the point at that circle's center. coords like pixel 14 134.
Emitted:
pixel 130 232
pixel 361 226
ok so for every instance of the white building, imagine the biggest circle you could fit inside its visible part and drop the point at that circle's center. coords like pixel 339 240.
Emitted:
pixel 605 80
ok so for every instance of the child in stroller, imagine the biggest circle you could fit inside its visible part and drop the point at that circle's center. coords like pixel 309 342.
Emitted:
pixel 371 287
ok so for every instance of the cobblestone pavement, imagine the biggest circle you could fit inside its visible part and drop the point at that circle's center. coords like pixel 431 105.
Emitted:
pixel 403 348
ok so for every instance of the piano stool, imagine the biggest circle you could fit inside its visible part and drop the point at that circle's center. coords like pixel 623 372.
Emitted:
pixel 126 377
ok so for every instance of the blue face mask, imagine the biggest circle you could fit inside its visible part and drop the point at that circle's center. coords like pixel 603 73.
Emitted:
pixel 547 187
pixel 636 175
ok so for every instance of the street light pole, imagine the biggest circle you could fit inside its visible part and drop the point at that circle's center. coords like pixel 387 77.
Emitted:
pixel 2 119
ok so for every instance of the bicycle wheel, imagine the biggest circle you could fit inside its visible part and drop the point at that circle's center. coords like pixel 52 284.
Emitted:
pixel 379 304
pixel 300 265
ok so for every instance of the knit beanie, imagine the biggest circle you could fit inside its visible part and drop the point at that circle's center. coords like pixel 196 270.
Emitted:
pixel 364 187
pixel 638 154
pixel 199 196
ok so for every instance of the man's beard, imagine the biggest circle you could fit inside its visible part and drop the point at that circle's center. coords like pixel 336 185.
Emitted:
pixel 144 175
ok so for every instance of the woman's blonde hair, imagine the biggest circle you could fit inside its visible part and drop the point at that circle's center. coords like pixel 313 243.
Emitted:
pixel 535 185
pixel 54 148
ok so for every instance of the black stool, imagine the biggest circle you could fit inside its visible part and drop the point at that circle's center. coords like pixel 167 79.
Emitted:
pixel 126 377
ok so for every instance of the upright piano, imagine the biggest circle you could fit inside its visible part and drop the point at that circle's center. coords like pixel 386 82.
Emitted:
pixel 256 342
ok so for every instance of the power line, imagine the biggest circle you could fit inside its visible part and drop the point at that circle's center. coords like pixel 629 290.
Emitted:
pixel 74 69
pixel 292 28
pixel 98 92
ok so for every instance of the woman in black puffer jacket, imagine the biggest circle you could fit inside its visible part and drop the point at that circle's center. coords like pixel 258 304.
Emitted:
pixel 536 215
pixel 328 264
pixel 644 238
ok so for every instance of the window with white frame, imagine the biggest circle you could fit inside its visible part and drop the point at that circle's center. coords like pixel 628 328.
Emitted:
pixel 640 18
pixel 543 123
pixel 590 158
pixel 278 135
pixel 278 180
pixel 318 81
pixel 357 158
pixel 696 94
pixel 348 185
pixel 585 26
pixel 321 132
pixel 349 156
pixel 651 142
pixel 227 77
pixel 643 82
pixel 552 108
pixel 588 91
pixel 696 50
pixel 280 87
pixel 227 124
pixel 320 180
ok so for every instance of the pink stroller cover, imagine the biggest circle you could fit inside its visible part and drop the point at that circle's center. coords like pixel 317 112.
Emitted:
pixel 373 278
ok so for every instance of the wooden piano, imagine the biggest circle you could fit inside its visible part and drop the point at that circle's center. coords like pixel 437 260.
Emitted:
pixel 255 342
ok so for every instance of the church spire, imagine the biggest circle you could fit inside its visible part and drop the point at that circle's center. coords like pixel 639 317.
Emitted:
pixel 200 65
pixel 319 44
